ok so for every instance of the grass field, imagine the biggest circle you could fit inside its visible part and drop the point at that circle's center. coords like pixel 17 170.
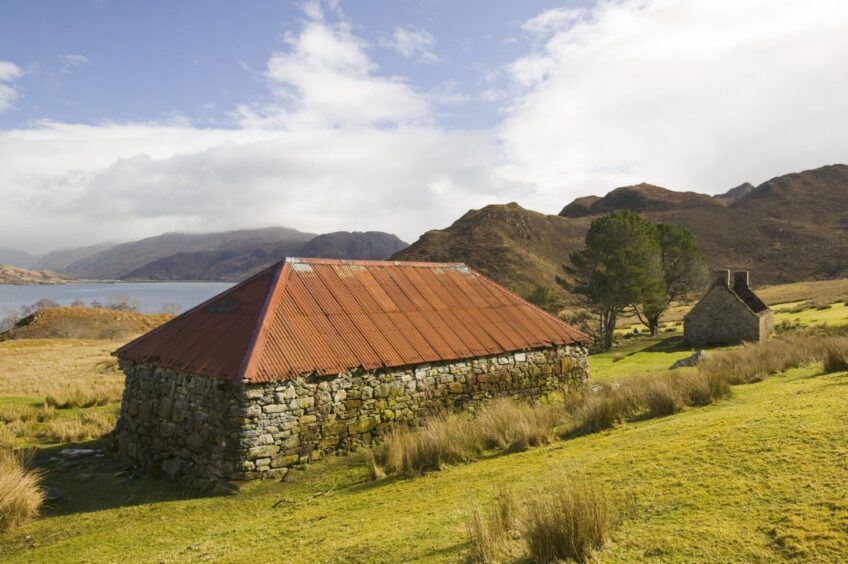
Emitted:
pixel 757 477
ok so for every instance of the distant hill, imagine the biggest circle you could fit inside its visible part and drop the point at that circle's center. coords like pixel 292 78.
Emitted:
pixel 368 245
pixel 232 262
pixel 58 261
pixel 119 260
pixel 16 257
pixel 14 275
pixel 790 228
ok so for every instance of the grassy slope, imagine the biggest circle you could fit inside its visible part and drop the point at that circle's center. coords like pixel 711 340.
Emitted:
pixel 753 478
pixel 756 477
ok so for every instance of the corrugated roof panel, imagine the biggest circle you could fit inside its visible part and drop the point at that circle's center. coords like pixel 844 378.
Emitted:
pixel 321 316
pixel 212 338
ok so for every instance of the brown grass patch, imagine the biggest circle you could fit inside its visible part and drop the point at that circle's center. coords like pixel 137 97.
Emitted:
pixel 568 519
pixel 754 361
pixel 20 491
pixel 38 368
pixel 81 427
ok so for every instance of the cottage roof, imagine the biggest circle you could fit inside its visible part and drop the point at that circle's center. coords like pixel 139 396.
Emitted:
pixel 305 316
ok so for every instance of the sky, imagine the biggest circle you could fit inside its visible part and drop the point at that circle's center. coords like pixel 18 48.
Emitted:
pixel 121 120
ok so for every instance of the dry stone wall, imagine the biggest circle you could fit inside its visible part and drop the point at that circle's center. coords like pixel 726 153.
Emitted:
pixel 260 430
pixel 178 423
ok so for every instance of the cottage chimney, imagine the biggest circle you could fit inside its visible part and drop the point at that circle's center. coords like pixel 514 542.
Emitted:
pixel 721 278
pixel 741 279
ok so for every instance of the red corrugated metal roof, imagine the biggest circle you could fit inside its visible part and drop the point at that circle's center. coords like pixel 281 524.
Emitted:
pixel 322 316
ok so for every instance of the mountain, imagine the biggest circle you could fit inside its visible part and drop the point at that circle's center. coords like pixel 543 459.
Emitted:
pixel 368 245
pixel 16 257
pixel 14 275
pixel 735 193
pixel 58 261
pixel 790 228
pixel 119 260
pixel 236 263
pixel 512 245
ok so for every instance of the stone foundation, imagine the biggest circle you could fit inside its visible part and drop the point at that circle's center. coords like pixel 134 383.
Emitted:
pixel 208 429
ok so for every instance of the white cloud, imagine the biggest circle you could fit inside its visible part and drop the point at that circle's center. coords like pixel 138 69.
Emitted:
pixel 71 61
pixel 9 72
pixel 690 95
pixel 554 20
pixel 413 43
pixel 314 9
pixel 327 79
pixel 685 94
pixel 338 146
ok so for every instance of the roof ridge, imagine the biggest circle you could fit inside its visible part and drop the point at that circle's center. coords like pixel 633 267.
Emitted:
pixel 359 262
pixel 263 323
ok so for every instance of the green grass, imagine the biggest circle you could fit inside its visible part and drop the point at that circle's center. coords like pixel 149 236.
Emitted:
pixel 836 314
pixel 756 477
pixel 637 356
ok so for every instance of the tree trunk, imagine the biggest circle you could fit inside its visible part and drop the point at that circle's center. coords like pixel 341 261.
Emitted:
pixel 654 325
pixel 608 320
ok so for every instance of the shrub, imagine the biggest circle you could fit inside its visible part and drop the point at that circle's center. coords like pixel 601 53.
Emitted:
pixel 20 491
pixel 568 519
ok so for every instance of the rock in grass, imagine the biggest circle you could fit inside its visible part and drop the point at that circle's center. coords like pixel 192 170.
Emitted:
pixel 689 360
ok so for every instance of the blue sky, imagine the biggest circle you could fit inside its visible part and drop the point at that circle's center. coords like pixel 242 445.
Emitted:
pixel 120 120
pixel 147 61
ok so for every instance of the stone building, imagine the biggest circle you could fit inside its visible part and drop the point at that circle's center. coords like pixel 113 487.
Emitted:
pixel 316 356
pixel 730 312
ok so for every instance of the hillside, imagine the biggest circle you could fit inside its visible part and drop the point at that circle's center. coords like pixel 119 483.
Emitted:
pixel 119 260
pixel 511 245
pixel 59 260
pixel 225 256
pixel 18 258
pixel 791 228
pixel 758 477
pixel 234 263
pixel 14 275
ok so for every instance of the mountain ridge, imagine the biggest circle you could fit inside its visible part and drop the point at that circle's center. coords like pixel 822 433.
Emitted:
pixel 790 228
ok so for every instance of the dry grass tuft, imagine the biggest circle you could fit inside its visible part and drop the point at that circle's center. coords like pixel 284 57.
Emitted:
pixel 457 438
pixel 753 362
pixel 602 409
pixel 78 397
pixel 507 425
pixel 660 396
pixel 81 427
pixel 488 531
pixel 567 519
pixel 442 440
pixel 836 356
pixel 20 491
